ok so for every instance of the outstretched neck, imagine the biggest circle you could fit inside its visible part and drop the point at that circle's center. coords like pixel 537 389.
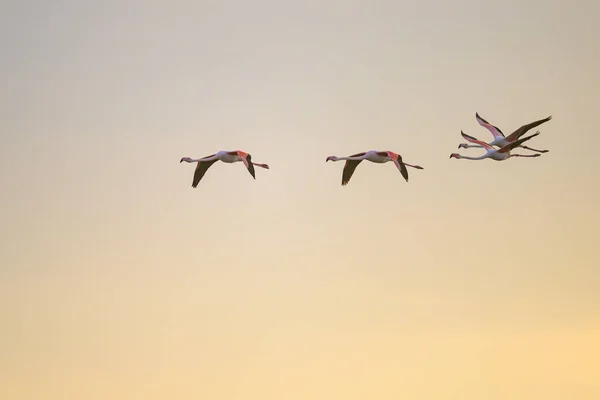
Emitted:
pixel 468 146
pixel 190 160
pixel 213 158
pixel 474 158
pixel 265 166
pixel 193 160
pixel 345 158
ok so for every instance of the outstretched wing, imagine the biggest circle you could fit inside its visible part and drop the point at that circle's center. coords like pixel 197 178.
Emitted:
pixel 400 165
pixel 476 141
pixel 249 165
pixel 349 168
pixel 517 143
pixel 201 169
pixel 494 130
pixel 525 128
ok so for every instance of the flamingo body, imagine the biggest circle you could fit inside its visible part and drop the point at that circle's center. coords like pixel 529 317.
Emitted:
pixel 229 157
pixel 374 156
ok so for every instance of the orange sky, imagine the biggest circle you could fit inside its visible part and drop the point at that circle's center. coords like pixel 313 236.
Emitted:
pixel 476 279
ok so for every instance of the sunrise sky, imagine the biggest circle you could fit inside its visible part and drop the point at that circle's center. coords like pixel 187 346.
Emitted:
pixel 474 280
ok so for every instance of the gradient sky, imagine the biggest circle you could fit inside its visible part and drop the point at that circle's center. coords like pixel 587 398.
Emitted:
pixel 475 280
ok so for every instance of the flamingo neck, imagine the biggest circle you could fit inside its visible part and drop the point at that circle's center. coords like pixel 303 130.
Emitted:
pixel 475 158
pixel 350 158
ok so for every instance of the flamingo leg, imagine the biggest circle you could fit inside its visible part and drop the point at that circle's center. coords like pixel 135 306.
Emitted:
pixel 539 151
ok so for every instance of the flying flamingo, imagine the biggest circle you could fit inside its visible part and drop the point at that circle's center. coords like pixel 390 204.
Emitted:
pixel 373 156
pixel 229 157
pixel 496 154
pixel 500 140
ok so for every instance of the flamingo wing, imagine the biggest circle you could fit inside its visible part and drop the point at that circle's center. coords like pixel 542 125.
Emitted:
pixel 494 130
pixel 525 128
pixel 476 141
pixel 201 169
pixel 249 165
pixel 517 143
pixel 349 168
pixel 400 165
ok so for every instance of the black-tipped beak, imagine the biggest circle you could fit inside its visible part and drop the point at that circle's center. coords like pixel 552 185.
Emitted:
pixel 450 156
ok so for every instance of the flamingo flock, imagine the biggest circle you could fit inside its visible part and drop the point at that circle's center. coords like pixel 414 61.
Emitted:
pixel 499 149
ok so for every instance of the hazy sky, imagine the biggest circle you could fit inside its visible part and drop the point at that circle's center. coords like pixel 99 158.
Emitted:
pixel 474 280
